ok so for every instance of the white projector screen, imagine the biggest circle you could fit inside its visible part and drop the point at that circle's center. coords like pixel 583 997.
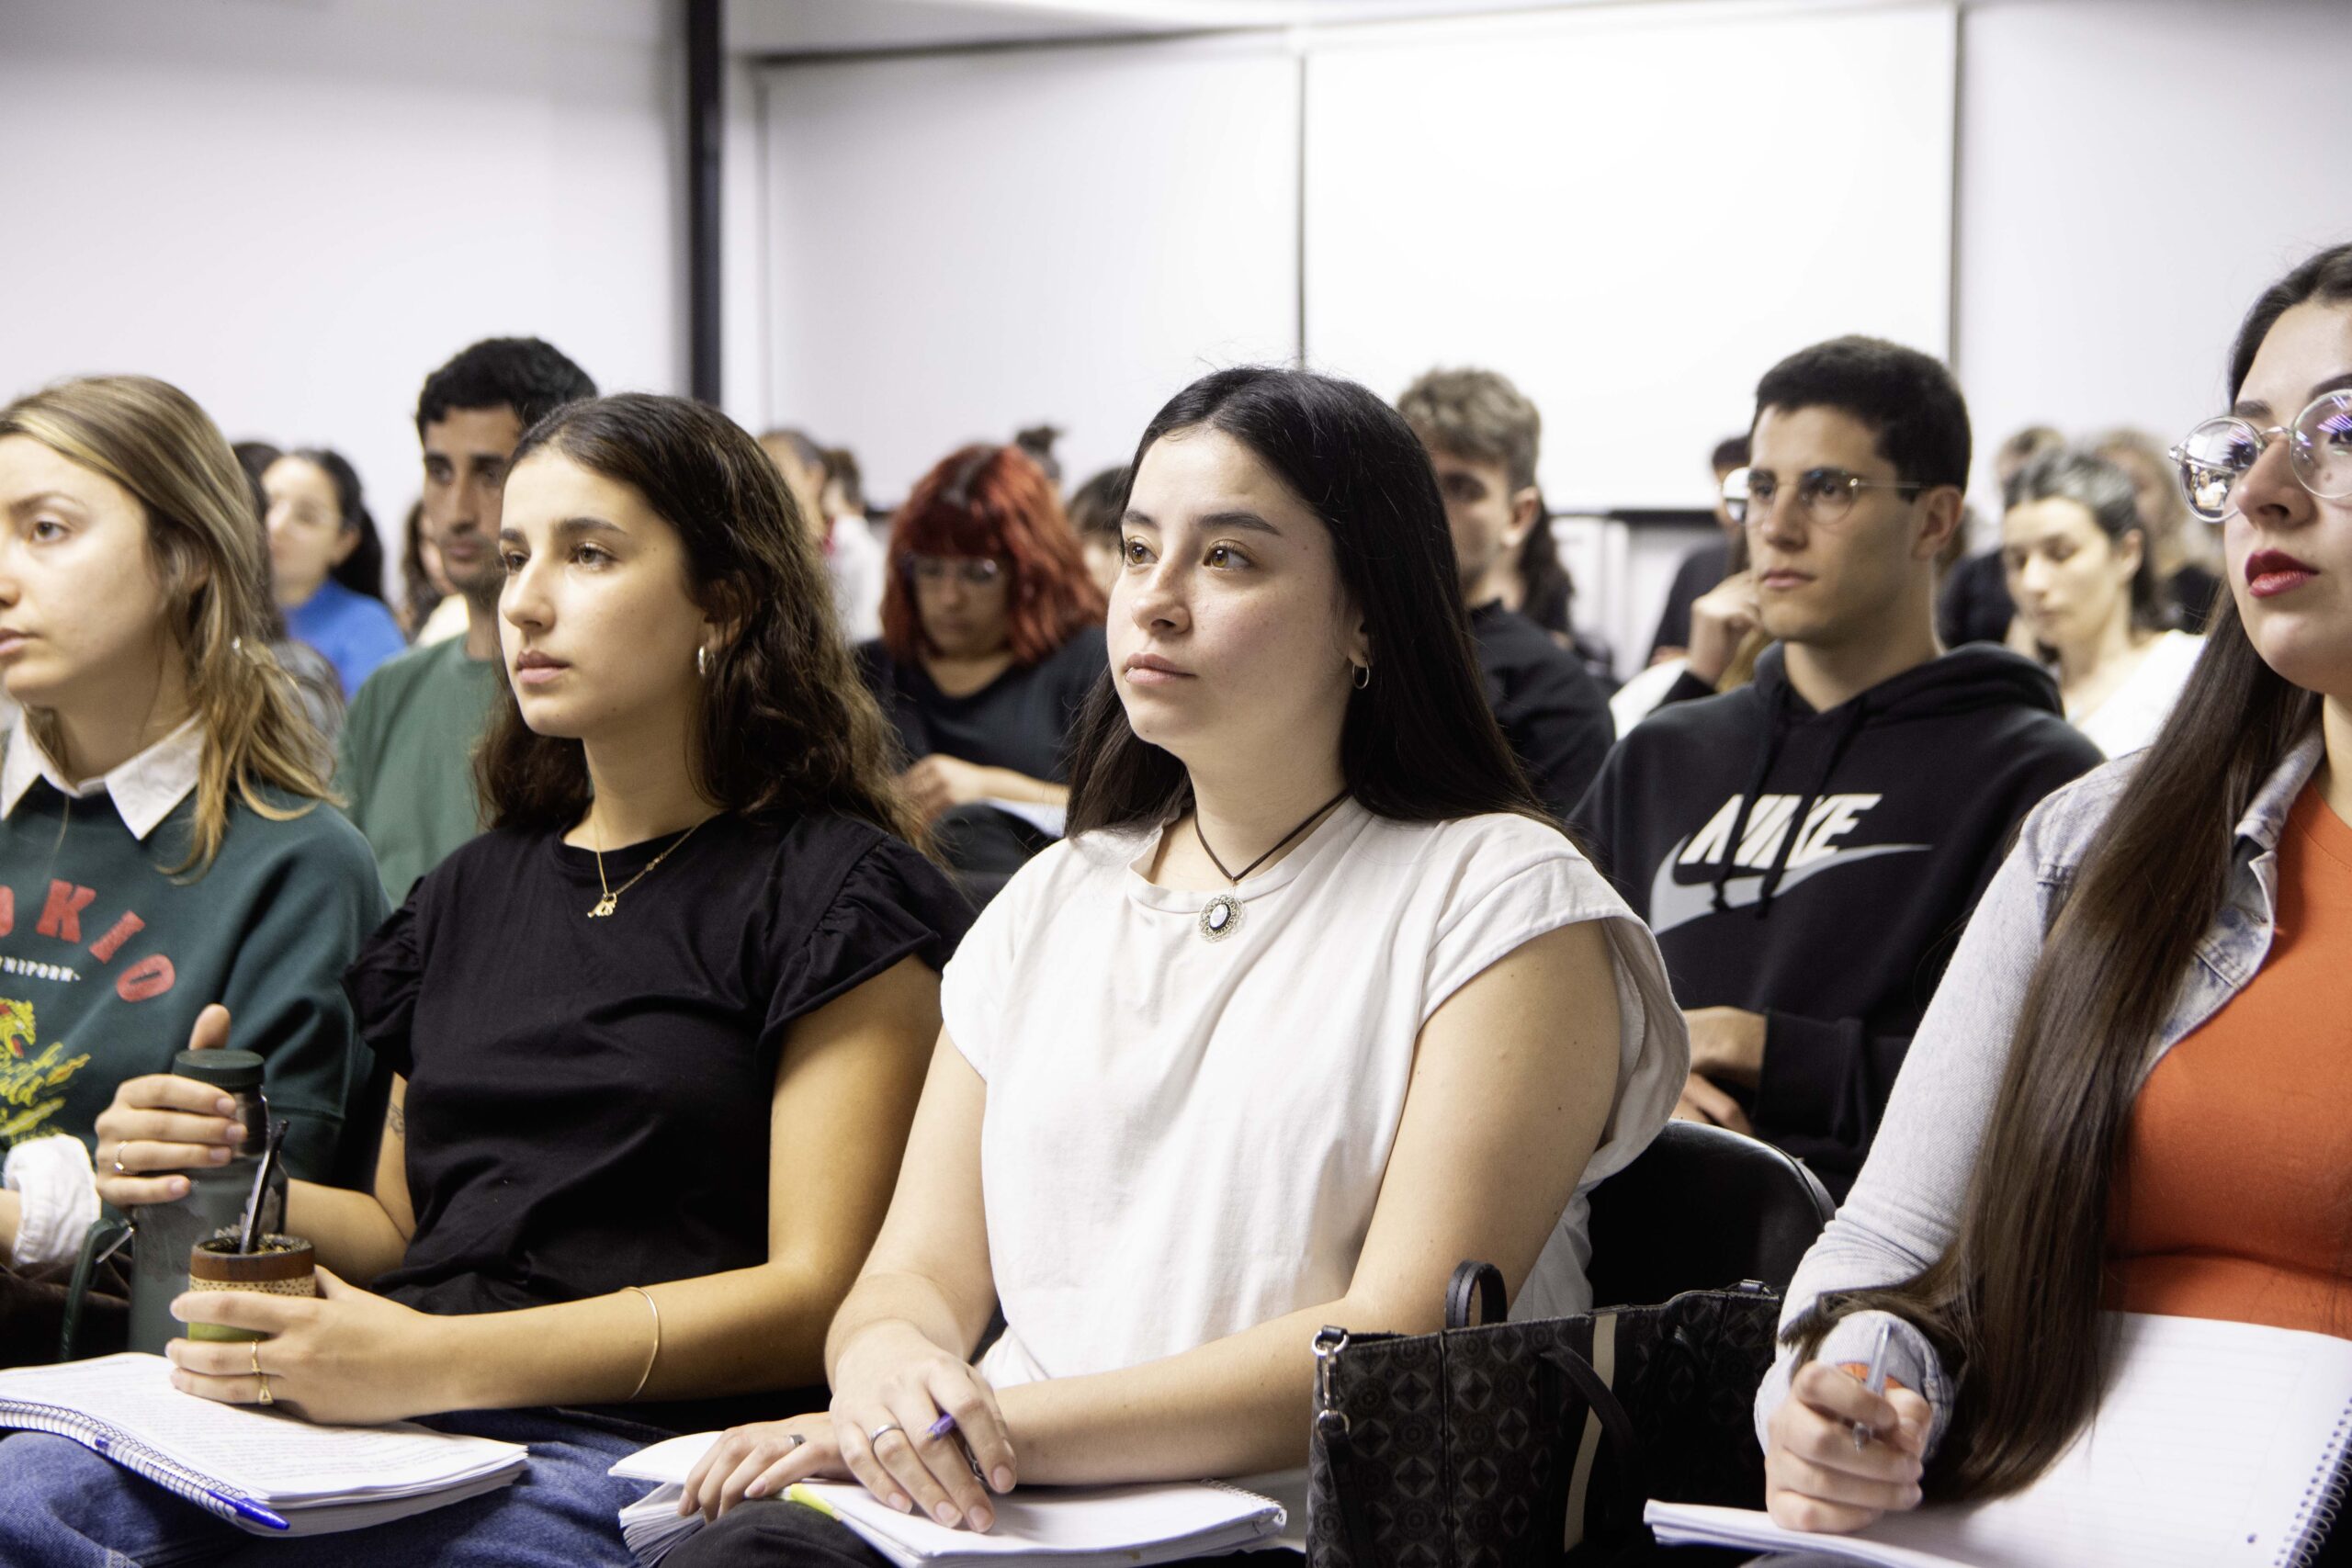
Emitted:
pixel 959 246
pixel 1631 212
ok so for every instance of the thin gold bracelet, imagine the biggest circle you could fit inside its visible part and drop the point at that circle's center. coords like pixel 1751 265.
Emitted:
pixel 647 1376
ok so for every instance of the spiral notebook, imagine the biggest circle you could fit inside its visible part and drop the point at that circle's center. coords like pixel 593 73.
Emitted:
pixel 271 1474
pixel 2218 1445
pixel 1067 1527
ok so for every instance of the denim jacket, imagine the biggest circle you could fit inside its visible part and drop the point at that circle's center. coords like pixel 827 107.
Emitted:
pixel 1906 1206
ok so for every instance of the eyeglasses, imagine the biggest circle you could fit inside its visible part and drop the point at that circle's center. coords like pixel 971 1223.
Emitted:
pixel 972 571
pixel 1825 495
pixel 2219 453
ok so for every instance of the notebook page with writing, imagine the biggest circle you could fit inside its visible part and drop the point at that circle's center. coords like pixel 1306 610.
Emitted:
pixel 2217 1445
pixel 277 1460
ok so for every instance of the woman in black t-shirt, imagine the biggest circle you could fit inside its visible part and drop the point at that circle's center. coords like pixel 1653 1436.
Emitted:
pixel 992 637
pixel 657 1035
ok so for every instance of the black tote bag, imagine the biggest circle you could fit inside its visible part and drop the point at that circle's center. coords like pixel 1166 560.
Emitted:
pixel 1513 1444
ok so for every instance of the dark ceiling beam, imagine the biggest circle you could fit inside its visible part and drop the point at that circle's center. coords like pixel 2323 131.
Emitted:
pixel 706 137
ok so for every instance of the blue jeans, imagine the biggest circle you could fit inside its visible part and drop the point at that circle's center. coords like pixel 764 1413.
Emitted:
pixel 62 1506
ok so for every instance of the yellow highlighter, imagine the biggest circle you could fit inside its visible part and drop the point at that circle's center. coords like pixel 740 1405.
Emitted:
pixel 797 1492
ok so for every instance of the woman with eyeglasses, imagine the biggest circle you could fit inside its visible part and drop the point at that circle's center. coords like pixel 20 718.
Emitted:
pixel 2082 571
pixel 991 638
pixel 2129 1092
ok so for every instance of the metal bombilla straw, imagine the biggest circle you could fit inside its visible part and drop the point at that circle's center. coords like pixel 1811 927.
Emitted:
pixel 252 1221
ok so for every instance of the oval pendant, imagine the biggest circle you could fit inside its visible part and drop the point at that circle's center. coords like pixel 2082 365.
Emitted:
pixel 1220 918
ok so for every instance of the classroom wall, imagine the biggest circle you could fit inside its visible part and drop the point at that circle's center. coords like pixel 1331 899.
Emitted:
pixel 2072 200
pixel 2132 173
pixel 297 210
pixel 963 245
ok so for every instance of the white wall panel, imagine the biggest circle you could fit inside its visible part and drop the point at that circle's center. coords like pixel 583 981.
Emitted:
pixel 962 246
pixel 2132 172
pixel 296 211
pixel 1632 211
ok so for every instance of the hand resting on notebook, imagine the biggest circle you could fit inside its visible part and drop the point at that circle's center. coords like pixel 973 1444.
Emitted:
pixel 888 1375
pixel 1814 1476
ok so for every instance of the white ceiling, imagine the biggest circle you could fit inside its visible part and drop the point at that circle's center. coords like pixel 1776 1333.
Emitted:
pixel 773 26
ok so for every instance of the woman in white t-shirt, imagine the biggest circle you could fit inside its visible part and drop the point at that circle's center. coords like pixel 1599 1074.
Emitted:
pixel 2085 588
pixel 1313 1005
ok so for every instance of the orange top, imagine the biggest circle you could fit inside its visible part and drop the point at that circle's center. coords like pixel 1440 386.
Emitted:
pixel 2238 1164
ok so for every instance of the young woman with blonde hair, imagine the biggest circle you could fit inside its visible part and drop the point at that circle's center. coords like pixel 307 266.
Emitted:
pixel 165 844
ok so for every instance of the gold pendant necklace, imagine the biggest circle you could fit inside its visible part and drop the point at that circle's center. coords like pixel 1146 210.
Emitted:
pixel 612 899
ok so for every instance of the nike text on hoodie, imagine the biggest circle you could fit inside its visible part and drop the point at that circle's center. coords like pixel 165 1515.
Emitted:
pixel 1817 867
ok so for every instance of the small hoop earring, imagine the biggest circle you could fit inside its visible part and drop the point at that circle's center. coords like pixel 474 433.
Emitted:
pixel 1362 676
pixel 702 663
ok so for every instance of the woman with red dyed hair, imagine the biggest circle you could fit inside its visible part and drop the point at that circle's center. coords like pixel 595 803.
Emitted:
pixel 992 637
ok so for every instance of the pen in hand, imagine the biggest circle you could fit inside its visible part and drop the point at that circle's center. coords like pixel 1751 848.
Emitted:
pixel 1874 1381
pixel 944 1426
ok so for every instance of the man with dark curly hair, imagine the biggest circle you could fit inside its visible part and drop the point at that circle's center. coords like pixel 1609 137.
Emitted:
pixel 406 762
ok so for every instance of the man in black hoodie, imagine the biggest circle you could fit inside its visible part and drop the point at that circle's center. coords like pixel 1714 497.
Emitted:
pixel 1481 433
pixel 1807 847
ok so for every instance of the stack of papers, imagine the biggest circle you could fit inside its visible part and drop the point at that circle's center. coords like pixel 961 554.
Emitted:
pixel 269 1473
pixel 1068 1527
pixel 2216 1444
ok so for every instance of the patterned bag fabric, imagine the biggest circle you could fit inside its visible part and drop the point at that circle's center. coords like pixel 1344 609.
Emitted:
pixel 1520 1444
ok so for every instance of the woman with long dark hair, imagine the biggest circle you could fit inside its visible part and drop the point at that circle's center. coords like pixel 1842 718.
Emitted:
pixel 1314 1005
pixel 2128 1093
pixel 655 1039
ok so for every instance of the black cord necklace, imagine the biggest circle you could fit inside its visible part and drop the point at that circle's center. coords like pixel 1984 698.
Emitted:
pixel 1221 916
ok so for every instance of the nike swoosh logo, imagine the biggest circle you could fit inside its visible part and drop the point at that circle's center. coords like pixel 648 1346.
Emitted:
pixel 1676 904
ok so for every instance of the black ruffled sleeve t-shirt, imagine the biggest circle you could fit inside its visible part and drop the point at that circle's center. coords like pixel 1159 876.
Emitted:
pixel 588 1099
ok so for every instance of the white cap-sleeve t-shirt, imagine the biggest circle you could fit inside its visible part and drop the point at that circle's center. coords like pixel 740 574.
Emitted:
pixel 1185 1138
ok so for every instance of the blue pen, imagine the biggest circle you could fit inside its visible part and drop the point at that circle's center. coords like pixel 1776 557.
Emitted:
pixel 944 1426
pixel 247 1509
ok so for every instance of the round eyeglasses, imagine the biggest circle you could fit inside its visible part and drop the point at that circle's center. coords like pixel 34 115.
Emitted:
pixel 1825 495
pixel 2219 453
pixel 972 571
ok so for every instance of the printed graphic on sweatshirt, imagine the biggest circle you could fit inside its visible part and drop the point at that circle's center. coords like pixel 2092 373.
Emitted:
pixel 32 1080
pixel 33 1077
pixel 1683 888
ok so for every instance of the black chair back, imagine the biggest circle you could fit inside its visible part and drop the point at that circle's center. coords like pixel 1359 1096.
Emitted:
pixel 1701 1208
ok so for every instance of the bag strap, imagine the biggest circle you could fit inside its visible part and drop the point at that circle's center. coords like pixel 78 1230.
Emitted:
pixel 1339 1455
pixel 1624 1509
pixel 101 1241
pixel 1474 1283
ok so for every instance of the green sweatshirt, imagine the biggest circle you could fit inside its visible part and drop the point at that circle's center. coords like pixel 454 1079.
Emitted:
pixel 106 959
pixel 407 757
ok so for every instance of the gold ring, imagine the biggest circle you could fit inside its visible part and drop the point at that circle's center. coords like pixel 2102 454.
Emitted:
pixel 261 1376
